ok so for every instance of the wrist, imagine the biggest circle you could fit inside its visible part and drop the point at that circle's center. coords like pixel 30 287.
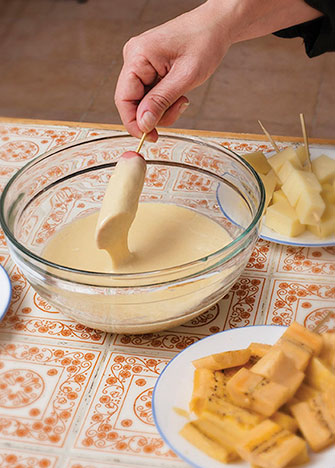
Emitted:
pixel 247 19
pixel 225 16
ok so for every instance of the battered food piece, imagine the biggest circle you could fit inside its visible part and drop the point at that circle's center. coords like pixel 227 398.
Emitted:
pixel 120 205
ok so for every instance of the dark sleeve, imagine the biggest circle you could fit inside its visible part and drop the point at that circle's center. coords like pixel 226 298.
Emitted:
pixel 319 34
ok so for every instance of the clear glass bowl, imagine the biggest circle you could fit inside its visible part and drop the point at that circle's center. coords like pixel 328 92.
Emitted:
pixel 69 182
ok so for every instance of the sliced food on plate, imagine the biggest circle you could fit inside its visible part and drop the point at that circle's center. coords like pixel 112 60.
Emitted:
pixel 300 198
pixel 272 408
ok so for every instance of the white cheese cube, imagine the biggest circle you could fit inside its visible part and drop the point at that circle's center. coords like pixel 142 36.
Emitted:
pixel 288 154
pixel 279 195
pixel 326 227
pixel 269 181
pixel 282 218
pixel 302 155
pixel 328 193
pixel 258 161
pixel 310 207
pixel 286 170
pixel 324 168
pixel 299 182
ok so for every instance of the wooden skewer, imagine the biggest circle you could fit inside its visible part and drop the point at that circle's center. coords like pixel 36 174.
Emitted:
pixel 308 156
pixel 269 137
pixel 141 142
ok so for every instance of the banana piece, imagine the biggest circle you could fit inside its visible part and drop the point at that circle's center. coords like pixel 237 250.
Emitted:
pixel 255 392
pixel 319 376
pixel 300 344
pixel 278 367
pixel 327 355
pixel 285 421
pixel 270 446
pixel 208 385
pixel 223 360
pixel 208 438
pixel 316 420
pixel 259 349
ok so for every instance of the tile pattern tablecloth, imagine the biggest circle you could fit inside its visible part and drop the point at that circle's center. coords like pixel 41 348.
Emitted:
pixel 75 397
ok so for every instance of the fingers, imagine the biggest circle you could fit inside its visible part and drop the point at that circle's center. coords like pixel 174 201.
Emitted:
pixel 129 91
pixel 174 112
pixel 149 90
pixel 164 99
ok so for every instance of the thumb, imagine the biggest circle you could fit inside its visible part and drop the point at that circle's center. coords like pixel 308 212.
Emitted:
pixel 157 101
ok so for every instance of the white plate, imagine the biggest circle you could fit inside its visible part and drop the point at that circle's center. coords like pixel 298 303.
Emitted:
pixel 174 388
pixel 306 239
pixel 5 292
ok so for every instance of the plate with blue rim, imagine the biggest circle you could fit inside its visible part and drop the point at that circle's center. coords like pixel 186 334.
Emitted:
pixel 173 391
pixel 5 292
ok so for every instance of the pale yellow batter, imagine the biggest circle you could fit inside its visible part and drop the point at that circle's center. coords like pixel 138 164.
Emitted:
pixel 161 236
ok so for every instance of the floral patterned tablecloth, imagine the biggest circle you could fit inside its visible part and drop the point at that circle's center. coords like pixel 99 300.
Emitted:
pixel 74 397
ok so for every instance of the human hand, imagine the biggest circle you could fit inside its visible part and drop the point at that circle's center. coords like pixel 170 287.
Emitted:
pixel 163 64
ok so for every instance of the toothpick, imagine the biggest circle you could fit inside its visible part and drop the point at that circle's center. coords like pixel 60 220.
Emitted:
pixel 269 137
pixel 141 142
pixel 308 156
pixel 323 321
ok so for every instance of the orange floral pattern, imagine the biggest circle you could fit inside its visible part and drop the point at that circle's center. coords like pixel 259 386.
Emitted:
pixel 2 239
pixel 190 182
pixel 303 301
pixel 20 387
pixel 308 261
pixel 21 459
pixel 317 315
pixel 242 303
pixel 4 258
pixel 238 308
pixel 87 394
pixel 20 150
pixel 260 257
pixel 80 463
pixel 127 383
pixel 30 315
pixel 249 146
pixel 171 341
pixel 39 402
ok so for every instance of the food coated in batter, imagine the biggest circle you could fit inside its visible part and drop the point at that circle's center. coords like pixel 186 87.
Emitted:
pixel 119 206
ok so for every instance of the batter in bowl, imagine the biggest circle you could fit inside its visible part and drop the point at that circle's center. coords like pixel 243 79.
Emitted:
pixel 128 237
pixel 161 236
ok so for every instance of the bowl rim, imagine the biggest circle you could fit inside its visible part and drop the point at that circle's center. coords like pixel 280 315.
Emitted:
pixel 227 248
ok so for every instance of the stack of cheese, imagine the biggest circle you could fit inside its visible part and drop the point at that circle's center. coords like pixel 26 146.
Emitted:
pixel 297 198
pixel 250 403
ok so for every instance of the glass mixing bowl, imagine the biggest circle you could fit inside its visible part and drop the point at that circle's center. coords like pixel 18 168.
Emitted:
pixel 69 182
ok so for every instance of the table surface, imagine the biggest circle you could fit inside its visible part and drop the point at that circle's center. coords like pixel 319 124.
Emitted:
pixel 74 397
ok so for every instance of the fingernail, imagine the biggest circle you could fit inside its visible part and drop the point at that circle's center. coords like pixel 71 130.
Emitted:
pixel 183 107
pixel 148 121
